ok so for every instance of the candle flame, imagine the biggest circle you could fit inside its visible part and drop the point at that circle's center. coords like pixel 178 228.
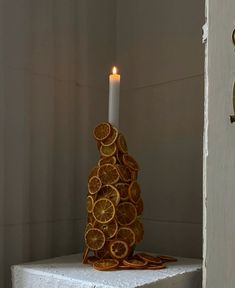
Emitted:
pixel 114 70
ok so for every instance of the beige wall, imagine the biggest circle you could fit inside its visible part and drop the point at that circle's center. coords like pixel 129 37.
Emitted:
pixel 54 59
pixel 161 57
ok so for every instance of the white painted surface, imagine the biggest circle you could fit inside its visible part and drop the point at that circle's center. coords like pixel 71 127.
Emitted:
pixel 69 272
pixel 219 145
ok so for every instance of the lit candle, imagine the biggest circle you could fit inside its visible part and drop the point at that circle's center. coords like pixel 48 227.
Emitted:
pixel 114 91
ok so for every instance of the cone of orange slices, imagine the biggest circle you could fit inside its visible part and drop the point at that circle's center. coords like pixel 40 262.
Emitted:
pixel 114 207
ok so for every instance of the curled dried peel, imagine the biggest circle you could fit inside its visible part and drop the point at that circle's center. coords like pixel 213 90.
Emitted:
pixel 94 184
pixel 121 143
pixel 89 204
pixel 134 192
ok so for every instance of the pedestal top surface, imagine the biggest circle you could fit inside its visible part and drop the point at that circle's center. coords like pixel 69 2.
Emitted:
pixel 70 269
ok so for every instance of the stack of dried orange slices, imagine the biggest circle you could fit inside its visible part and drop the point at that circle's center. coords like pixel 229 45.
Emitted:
pixel 114 204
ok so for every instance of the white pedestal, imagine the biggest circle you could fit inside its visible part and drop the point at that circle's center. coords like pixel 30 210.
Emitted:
pixel 69 272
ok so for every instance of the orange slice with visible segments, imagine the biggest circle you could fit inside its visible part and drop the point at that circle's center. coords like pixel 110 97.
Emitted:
pixel 106 264
pixel 107 160
pixel 111 193
pixel 108 174
pixel 111 138
pixel 108 151
pixel 123 190
pixel 119 249
pixel 102 131
pixel 94 184
pixel 95 239
pixel 127 235
pixel 109 229
pixel 103 210
pixel 134 191
pixel 121 143
pixel 126 213
pixel 130 162
pixel 89 204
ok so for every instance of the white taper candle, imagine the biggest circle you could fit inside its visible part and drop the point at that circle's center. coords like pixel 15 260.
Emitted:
pixel 114 92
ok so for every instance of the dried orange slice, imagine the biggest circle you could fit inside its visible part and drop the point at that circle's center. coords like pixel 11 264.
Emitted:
pixel 90 218
pixel 107 160
pixel 103 210
pixel 102 131
pixel 139 206
pixel 167 258
pixel 130 162
pixel 119 249
pixel 94 184
pixel 127 235
pixel 138 229
pixel 149 258
pixel 85 255
pixel 123 190
pixel 89 204
pixel 111 193
pixel 93 172
pixel 92 259
pixel 126 213
pixel 119 157
pixel 124 172
pixel 104 253
pixel 110 229
pixel 88 226
pixel 134 191
pixel 95 239
pixel 106 264
pixel 111 138
pixel 134 175
pixel 108 174
pixel 135 263
pixel 121 143
pixel 107 151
